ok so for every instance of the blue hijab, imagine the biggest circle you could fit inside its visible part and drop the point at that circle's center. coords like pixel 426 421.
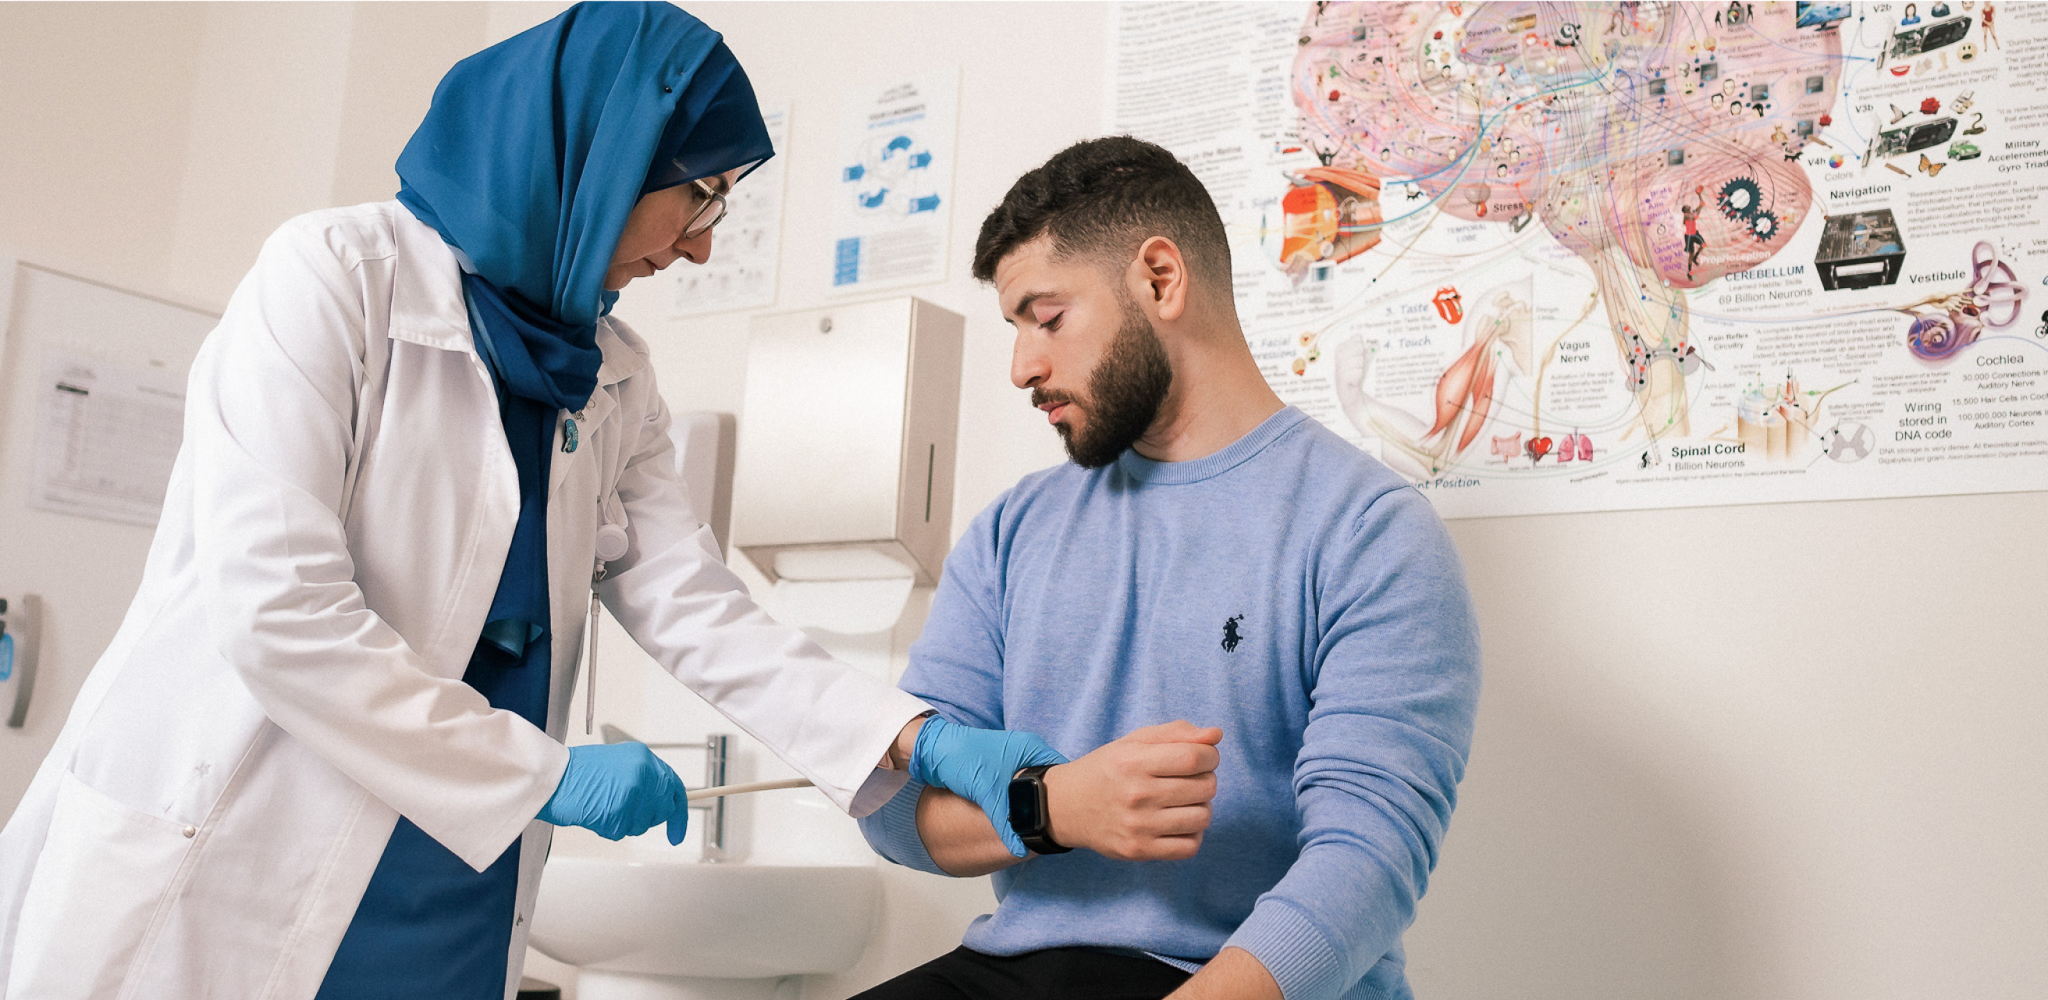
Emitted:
pixel 531 156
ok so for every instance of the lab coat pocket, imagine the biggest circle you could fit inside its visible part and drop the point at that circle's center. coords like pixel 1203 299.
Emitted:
pixel 104 873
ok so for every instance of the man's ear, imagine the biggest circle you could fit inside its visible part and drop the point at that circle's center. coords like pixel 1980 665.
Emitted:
pixel 1160 279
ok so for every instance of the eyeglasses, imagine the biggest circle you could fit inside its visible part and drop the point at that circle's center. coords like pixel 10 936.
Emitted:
pixel 709 214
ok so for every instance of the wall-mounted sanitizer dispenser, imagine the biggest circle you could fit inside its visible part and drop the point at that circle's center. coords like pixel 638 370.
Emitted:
pixel 21 617
pixel 704 453
pixel 846 445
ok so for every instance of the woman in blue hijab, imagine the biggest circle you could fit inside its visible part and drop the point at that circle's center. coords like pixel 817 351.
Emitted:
pixel 554 190
pixel 323 755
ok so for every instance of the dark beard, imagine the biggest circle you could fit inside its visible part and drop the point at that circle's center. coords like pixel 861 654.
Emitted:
pixel 1125 392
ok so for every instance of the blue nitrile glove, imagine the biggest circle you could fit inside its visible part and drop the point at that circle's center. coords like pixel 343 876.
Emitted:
pixel 619 790
pixel 977 764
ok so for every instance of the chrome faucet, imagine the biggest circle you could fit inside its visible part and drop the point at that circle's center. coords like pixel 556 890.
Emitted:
pixel 717 749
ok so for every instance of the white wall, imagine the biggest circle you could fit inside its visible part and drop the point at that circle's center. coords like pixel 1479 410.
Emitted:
pixel 94 118
pixel 1788 752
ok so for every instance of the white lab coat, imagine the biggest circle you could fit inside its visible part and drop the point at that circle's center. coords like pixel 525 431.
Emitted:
pixel 288 682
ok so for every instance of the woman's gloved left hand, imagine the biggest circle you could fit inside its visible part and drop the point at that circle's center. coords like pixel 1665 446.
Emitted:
pixel 619 790
pixel 977 764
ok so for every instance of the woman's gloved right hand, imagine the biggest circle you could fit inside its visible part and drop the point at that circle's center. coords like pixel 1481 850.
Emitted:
pixel 619 790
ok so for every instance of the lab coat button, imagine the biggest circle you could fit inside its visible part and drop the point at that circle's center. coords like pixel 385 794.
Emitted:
pixel 519 920
pixel 191 831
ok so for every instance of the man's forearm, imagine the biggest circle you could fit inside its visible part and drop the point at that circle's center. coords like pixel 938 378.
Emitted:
pixel 958 836
pixel 1234 974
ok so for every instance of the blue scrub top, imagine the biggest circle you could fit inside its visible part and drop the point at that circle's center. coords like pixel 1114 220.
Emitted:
pixel 428 925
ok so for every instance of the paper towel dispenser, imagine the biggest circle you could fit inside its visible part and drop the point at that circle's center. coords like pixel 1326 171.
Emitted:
pixel 846 440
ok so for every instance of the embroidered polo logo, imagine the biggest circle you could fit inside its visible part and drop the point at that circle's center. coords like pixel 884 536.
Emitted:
pixel 1230 634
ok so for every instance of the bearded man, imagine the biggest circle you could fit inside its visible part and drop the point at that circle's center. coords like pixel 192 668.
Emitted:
pixel 1252 639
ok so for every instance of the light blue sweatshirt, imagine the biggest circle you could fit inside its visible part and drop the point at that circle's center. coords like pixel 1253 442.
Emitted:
pixel 1289 589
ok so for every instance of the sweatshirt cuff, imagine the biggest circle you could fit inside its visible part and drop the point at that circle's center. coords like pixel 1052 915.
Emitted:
pixel 881 786
pixel 1295 952
pixel 892 830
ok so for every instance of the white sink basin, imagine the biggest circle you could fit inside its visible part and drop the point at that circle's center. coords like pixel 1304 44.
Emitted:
pixel 676 918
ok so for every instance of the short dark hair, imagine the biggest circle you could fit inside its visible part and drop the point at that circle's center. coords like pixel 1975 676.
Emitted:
pixel 1105 197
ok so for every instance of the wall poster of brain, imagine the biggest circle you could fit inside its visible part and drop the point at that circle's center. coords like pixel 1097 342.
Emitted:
pixel 1544 257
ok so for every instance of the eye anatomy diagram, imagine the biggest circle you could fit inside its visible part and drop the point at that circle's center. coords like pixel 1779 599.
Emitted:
pixel 1576 256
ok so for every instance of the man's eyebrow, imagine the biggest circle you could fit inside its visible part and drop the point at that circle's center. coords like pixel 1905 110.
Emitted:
pixel 719 184
pixel 1024 305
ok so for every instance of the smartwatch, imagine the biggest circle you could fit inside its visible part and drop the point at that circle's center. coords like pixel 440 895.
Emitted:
pixel 1029 816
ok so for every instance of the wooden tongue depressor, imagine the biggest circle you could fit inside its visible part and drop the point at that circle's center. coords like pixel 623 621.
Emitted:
pixel 718 791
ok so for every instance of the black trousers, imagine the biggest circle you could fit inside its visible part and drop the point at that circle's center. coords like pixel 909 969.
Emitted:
pixel 1053 974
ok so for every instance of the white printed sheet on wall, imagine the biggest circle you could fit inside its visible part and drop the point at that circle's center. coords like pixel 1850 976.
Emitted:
pixel 892 196
pixel 107 435
pixel 1560 257
pixel 745 261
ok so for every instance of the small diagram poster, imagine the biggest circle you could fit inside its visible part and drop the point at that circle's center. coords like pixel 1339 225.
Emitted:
pixel 892 196
pixel 108 436
pixel 742 270
pixel 1547 257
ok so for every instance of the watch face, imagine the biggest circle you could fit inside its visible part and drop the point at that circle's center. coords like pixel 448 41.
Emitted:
pixel 1024 813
